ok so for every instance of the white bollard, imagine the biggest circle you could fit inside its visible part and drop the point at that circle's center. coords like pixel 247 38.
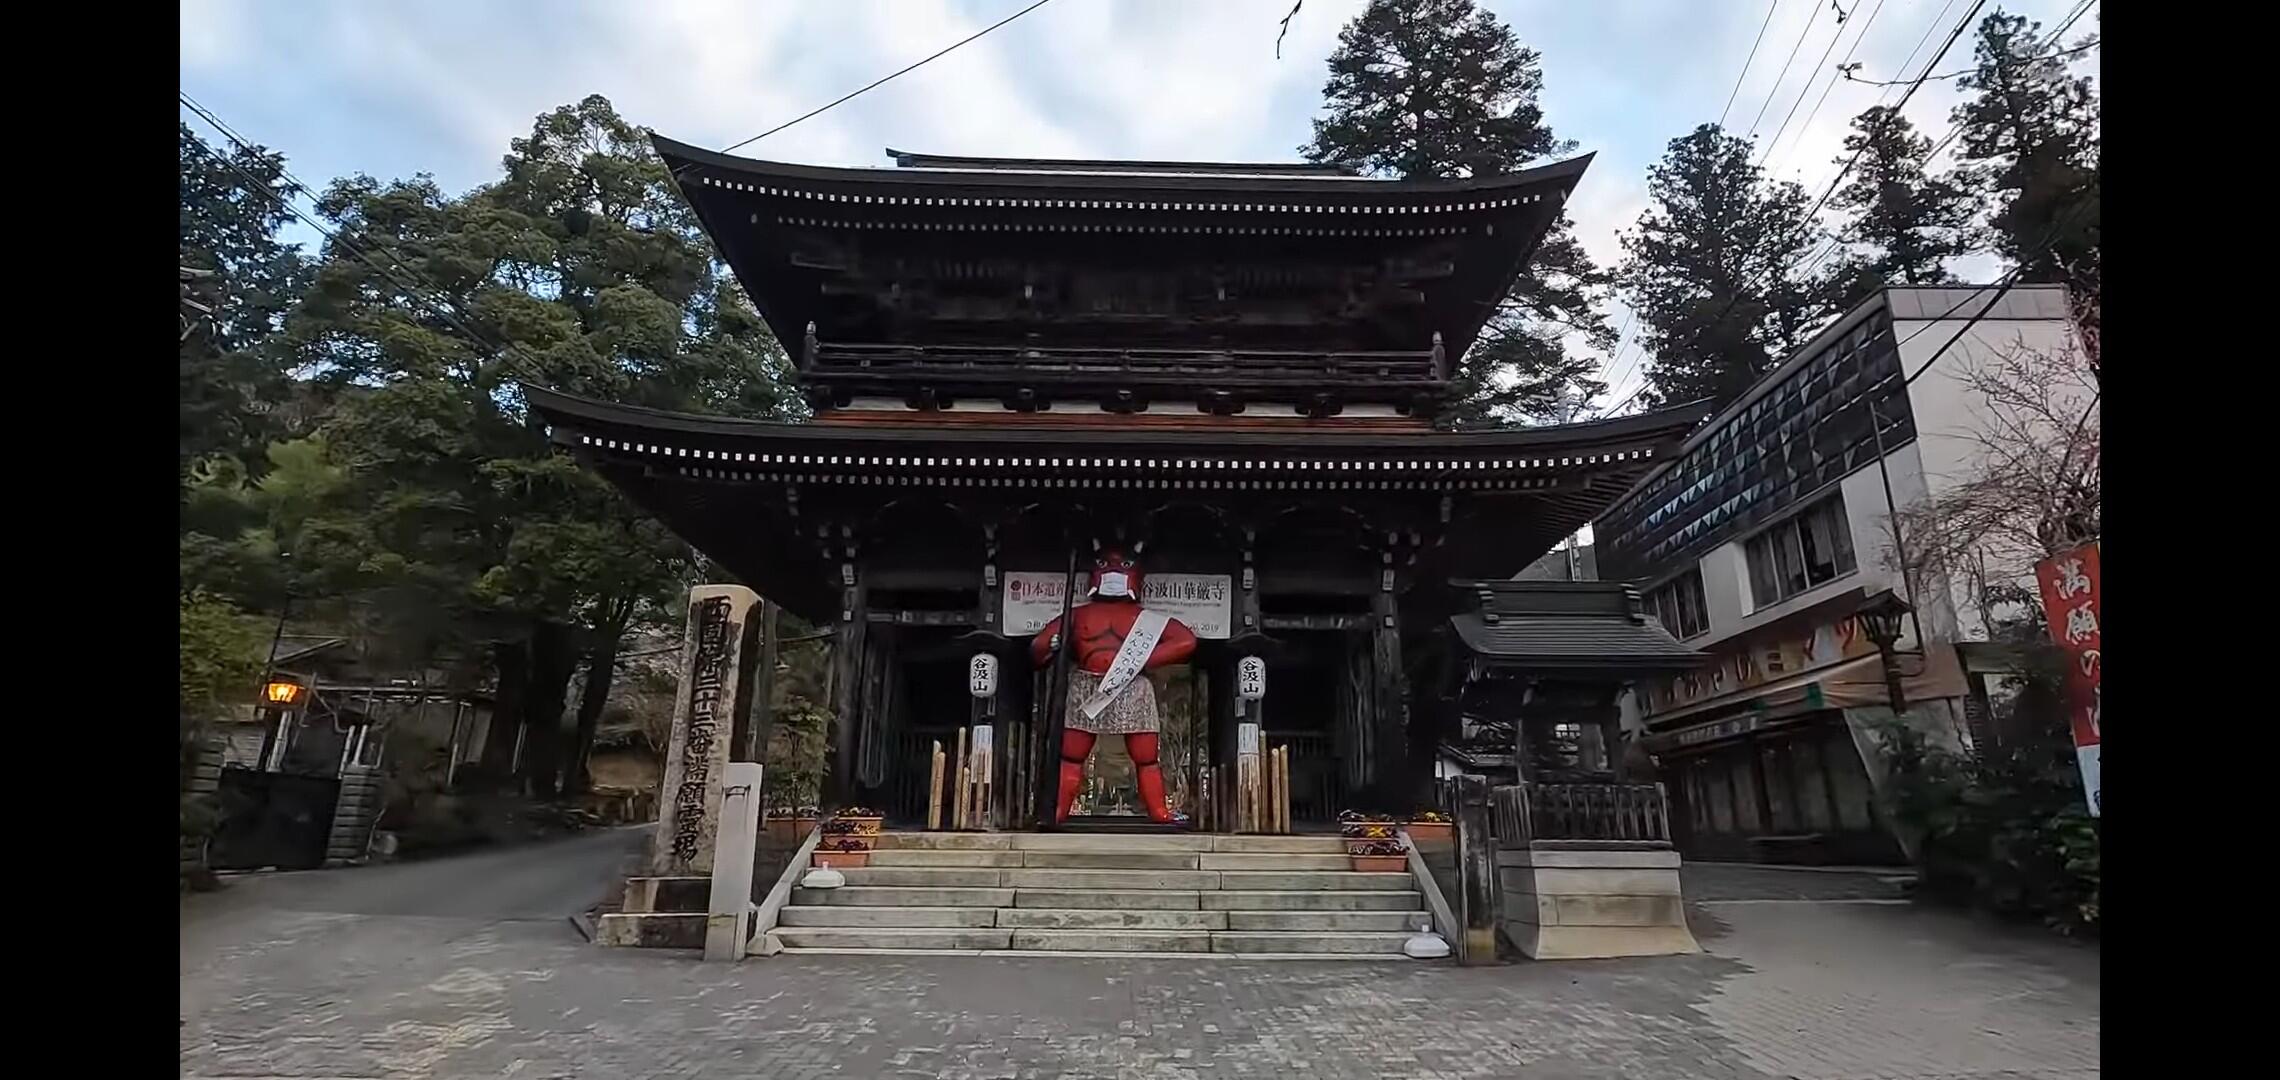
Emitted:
pixel 728 917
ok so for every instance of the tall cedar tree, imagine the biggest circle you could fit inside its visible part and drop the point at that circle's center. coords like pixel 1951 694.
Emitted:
pixel 1438 89
pixel 1909 222
pixel 2029 133
pixel 454 523
pixel 232 374
pixel 1713 270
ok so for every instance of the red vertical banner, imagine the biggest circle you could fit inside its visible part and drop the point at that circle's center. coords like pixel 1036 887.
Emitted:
pixel 2070 602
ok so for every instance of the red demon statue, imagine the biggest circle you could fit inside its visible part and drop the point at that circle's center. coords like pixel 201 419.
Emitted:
pixel 1117 641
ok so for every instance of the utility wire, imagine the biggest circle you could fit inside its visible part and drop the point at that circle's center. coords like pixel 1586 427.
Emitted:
pixel 1804 90
pixel 843 99
pixel 1775 91
pixel 1865 26
pixel 2084 47
pixel 1738 79
pixel 421 296
pixel 1814 213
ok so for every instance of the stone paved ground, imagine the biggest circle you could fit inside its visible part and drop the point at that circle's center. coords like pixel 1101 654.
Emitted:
pixel 310 976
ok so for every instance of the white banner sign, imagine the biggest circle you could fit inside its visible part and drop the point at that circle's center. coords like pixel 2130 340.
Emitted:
pixel 1205 602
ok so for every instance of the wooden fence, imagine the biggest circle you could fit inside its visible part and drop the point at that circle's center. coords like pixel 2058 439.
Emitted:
pixel 1627 814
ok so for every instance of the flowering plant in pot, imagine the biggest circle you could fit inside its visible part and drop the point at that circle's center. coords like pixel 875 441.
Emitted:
pixel 1430 825
pixel 855 823
pixel 1355 825
pixel 842 853
pixel 1378 856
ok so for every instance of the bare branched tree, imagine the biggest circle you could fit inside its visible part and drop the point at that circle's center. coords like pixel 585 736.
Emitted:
pixel 2032 489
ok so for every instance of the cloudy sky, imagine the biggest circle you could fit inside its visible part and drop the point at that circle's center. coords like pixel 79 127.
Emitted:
pixel 412 86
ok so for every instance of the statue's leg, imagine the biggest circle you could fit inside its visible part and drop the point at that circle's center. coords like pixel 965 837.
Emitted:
pixel 1076 746
pixel 1142 746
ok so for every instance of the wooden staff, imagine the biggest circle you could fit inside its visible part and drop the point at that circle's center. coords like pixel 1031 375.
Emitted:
pixel 934 789
pixel 1282 787
pixel 958 815
pixel 981 815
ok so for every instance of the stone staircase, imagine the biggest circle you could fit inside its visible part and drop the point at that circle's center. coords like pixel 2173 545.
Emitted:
pixel 1158 894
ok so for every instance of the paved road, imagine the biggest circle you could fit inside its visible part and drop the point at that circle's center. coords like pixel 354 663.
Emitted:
pixel 466 968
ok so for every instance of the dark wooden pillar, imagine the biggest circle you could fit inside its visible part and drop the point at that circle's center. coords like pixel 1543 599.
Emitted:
pixel 756 685
pixel 1389 741
pixel 847 649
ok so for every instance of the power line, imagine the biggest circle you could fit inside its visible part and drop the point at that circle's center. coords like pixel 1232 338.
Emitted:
pixel 843 99
pixel 1745 74
pixel 1777 80
pixel 421 296
pixel 2084 47
pixel 1814 213
pixel 1807 89
pixel 1865 25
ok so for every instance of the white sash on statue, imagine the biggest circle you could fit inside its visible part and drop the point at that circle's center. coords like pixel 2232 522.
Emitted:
pixel 1131 658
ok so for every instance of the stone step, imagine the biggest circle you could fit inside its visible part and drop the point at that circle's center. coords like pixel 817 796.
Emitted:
pixel 1291 880
pixel 889 937
pixel 1274 860
pixel 651 929
pixel 851 915
pixel 951 857
pixel 1107 919
pixel 1126 899
pixel 1280 845
pixel 1110 860
pixel 1283 942
pixel 1074 842
pixel 1139 941
pixel 1325 922
pixel 926 877
pixel 896 896
pixel 1016 859
pixel 1310 900
pixel 1111 879
pixel 1195 842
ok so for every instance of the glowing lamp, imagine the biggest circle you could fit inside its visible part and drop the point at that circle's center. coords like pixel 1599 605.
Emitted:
pixel 282 693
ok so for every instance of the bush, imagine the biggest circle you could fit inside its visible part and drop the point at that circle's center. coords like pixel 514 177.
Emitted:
pixel 2006 830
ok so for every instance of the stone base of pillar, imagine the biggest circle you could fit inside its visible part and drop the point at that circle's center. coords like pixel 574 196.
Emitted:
pixel 1591 903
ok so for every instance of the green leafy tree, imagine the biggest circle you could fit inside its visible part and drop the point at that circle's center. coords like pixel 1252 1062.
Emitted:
pixel 1440 89
pixel 1909 222
pixel 1714 270
pixel 239 280
pixel 458 529
pixel 220 652
pixel 2029 135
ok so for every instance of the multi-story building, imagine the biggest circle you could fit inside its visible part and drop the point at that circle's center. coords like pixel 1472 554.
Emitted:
pixel 1760 540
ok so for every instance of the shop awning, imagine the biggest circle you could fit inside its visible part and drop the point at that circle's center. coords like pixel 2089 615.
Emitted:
pixel 1851 684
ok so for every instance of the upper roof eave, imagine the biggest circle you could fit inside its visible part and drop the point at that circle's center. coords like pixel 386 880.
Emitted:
pixel 680 155
pixel 1661 425
pixel 908 159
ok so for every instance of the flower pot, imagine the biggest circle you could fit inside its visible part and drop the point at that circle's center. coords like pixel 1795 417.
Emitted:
pixel 1380 864
pixel 842 860
pixel 1424 831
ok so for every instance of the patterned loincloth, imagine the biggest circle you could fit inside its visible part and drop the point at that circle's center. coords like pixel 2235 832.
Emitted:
pixel 1133 710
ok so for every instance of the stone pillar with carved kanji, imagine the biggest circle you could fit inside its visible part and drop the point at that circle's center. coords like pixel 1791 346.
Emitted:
pixel 715 668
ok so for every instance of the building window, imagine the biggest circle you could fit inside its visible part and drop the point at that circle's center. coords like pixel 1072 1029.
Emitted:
pixel 1678 606
pixel 1811 549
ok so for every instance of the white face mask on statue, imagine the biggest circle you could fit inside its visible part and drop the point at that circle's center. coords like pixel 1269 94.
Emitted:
pixel 1114 584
